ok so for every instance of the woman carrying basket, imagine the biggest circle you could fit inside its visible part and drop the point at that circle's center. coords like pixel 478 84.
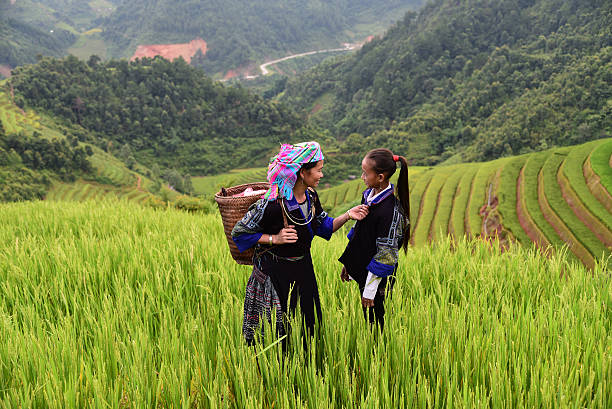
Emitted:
pixel 281 226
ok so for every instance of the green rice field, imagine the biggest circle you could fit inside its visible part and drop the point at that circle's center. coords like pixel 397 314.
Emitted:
pixel 562 201
pixel 109 304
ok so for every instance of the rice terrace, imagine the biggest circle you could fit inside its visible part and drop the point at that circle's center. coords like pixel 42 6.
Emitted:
pixel 110 303
pixel 117 285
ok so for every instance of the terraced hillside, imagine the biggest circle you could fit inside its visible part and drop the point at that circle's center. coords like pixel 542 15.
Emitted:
pixel 14 118
pixel 560 197
pixel 110 176
pixel 209 185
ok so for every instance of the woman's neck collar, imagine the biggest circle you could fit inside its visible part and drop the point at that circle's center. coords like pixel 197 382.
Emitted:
pixel 380 189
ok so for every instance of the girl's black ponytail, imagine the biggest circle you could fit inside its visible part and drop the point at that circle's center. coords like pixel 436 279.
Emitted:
pixel 403 193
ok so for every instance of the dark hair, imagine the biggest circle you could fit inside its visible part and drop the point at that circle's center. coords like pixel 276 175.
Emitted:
pixel 309 165
pixel 384 163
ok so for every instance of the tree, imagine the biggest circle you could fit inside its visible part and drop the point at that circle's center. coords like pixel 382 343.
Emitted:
pixel 187 184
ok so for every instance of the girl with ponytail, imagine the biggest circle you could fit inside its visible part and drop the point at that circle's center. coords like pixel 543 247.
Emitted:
pixel 371 255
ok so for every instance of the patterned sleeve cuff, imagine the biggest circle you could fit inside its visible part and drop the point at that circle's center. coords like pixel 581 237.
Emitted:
pixel 326 228
pixel 246 241
pixel 380 269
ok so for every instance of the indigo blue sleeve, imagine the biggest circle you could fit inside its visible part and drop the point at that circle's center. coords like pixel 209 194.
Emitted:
pixel 326 228
pixel 246 241
pixel 248 231
pixel 380 269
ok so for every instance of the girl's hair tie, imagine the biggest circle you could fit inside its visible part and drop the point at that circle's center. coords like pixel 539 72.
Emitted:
pixel 396 158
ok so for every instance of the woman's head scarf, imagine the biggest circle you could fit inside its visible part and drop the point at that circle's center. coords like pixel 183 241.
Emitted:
pixel 284 167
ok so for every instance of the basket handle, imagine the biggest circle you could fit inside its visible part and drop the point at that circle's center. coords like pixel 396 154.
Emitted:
pixel 283 212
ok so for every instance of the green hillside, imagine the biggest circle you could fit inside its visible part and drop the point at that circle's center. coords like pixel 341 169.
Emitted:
pixel 239 33
pixel 50 28
pixel 471 81
pixel 163 113
pixel 150 315
pixel 40 158
pixel 553 202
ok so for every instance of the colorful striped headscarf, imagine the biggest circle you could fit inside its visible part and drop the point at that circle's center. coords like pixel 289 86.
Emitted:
pixel 283 168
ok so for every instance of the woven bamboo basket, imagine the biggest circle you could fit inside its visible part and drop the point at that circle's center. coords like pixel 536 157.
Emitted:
pixel 232 210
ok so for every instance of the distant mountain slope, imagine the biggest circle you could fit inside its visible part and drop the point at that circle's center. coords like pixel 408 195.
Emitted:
pixel 239 32
pixel 22 42
pixel 165 113
pixel 472 80
pixel 46 27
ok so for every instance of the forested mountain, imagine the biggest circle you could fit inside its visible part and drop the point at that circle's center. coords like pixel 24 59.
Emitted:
pixel 471 80
pixel 239 32
pixel 46 27
pixel 166 113
pixel 22 41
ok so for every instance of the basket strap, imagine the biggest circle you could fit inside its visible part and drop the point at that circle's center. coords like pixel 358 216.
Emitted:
pixel 283 212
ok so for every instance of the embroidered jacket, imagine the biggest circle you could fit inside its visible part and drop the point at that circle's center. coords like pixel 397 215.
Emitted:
pixel 374 241
pixel 266 217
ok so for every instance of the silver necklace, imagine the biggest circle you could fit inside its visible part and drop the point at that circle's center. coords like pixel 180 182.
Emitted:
pixel 310 215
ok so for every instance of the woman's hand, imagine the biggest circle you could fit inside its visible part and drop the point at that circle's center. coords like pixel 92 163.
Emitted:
pixel 344 275
pixel 358 212
pixel 366 302
pixel 285 236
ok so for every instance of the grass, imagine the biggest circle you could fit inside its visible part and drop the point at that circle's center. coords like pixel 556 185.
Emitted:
pixel 572 169
pixel 569 222
pixel 416 200
pixel 460 201
pixel 527 223
pixel 507 198
pixel 150 315
pixel 82 190
pixel 16 120
pixel 479 193
pixel 440 223
pixel 429 206
pixel 87 44
pixel 601 161
pixel 602 233
pixel 530 172
pixel 209 185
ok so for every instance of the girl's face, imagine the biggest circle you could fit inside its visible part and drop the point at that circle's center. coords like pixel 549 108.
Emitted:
pixel 312 176
pixel 369 175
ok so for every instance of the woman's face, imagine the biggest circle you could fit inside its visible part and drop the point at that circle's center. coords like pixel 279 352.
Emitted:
pixel 369 175
pixel 311 176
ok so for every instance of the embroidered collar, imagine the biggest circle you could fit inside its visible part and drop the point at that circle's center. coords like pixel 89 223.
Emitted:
pixel 379 197
pixel 292 204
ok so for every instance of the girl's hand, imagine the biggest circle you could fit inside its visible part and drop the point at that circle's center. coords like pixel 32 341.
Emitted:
pixel 358 212
pixel 285 236
pixel 344 275
pixel 366 302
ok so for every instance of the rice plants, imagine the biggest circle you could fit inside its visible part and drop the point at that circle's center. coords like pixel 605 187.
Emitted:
pixel 440 223
pixel 525 219
pixel 572 170
pixel 429 205
pixel 530 174
pixel 114 305
pixel 601 161
pixel 507 198
pixel 478 195
pixel 602 233
pixel 460 201
pixel 574 231
pixel 416 201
